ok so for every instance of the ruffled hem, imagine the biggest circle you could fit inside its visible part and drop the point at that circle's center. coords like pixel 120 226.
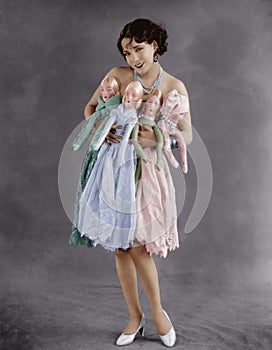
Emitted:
pixel 160 248
pixel 112 248
pixel 161 245
pixel 77 240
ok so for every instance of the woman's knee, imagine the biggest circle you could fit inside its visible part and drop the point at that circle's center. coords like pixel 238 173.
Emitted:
pixel 139 252
pixel 120 253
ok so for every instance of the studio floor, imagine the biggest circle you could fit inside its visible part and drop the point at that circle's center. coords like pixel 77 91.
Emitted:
pixel 73 314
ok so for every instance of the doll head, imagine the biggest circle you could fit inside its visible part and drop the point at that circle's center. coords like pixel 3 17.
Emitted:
pixel 108 88
pixel 174 103
pixel 153 103
pixel 133 95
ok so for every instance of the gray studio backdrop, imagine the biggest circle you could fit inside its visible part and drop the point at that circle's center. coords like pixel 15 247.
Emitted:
pixel 53 56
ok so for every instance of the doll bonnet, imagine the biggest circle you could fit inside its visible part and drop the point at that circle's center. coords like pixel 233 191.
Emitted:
pixel 174 103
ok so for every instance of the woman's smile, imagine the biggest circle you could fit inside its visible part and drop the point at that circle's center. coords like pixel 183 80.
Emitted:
pixel 139 65
pixel 138 55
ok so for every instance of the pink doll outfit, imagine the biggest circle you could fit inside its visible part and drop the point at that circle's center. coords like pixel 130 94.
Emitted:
pixel 173 109
pixel 156 219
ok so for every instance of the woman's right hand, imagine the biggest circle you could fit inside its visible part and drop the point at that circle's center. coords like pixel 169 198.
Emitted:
pixel 112 137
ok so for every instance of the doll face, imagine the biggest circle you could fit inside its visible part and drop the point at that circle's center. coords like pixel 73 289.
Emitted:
pixel 152 106
pixel 139 56
pixel 107 91
pixel 171 102
pixel 130 99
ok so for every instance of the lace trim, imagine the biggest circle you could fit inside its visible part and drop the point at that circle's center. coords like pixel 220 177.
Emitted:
pixel 171 124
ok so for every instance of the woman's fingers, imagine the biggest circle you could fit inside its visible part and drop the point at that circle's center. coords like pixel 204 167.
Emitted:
pixel 146 136
pixel 111 137
pixel 116 127
pixel 143 127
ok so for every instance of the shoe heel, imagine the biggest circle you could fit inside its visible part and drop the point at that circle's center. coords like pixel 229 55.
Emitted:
pixel 141 331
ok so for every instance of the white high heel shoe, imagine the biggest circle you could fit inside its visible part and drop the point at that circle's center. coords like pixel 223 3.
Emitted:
pixel 169 339
pixel 125 339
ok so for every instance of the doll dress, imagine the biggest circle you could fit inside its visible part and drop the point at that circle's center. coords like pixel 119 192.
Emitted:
pixel 156 220
pixel 107 206
pixel 102 112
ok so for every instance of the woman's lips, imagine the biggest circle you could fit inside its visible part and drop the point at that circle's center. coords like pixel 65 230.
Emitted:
pixel 139 65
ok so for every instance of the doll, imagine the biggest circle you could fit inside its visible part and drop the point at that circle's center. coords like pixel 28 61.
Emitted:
pixel 107 208
pixel 147 117
pixel 109 98
pixel 156 220
pixel 173 109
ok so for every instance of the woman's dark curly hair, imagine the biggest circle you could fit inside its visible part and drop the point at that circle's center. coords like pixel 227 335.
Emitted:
pixel 144 30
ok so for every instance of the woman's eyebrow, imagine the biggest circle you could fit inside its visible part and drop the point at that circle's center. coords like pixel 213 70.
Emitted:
pixel 129 46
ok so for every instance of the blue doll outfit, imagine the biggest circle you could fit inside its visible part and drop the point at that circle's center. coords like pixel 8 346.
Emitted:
pixel 107 206
pixel 102 112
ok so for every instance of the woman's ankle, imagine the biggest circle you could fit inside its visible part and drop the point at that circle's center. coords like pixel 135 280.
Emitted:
pixel 155 309
pixel 161 322
pixel 135 314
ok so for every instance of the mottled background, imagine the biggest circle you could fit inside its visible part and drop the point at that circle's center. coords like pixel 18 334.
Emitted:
pixel 217 287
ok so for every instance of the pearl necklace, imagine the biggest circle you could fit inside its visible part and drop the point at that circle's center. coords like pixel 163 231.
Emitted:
pixel 171 124
pixel 148 90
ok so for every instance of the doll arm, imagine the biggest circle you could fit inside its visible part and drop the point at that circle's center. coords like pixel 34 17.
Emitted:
pixel 139 151
pixel 159 137
pixel 85 132
pixel 103 131
pixel 167 143
pixel 182 150
pixel 169 153
pixel 98 131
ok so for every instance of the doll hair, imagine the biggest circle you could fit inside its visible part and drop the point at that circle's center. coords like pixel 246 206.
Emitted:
pixel 113 83
pixel 139 90
pixel 144 30
pixel 158 93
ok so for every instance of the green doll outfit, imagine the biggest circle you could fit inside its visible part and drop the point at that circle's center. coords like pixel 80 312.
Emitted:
pixel 145 120
pixel 102 112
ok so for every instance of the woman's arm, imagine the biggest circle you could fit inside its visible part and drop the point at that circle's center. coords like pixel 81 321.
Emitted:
pixel 91 105
pixel 123 75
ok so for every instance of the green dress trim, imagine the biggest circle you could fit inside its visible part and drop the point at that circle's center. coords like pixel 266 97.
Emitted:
pixel 102 112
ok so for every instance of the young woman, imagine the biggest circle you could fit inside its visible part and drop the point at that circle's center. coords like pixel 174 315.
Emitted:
pixel 140 42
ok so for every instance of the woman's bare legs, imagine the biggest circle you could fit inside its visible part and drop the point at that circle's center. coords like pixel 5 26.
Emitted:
pixel 147 270
pixel 128 279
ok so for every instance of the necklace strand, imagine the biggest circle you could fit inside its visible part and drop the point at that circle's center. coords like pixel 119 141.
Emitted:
pixel 148 90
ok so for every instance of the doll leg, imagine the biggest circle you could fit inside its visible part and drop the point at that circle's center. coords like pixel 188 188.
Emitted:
pixel 182 151
pixel 169 154
pixel 128 279
pixel 149 277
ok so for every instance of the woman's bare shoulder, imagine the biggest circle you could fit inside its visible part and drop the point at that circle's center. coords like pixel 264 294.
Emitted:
pixel 173 83
pixel 119 70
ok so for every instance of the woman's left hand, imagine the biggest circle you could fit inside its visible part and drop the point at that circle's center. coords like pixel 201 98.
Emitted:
pixel 146 136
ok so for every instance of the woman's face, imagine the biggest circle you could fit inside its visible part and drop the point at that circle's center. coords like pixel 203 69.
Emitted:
pixel 139 55
pixel 130 99
pixel 152 106
pixel 107 91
